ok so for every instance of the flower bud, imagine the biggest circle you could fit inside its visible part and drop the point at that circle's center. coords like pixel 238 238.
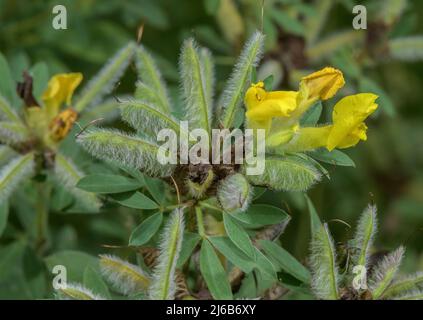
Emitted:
pixel 324 84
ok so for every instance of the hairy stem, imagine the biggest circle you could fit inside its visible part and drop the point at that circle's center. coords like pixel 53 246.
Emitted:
pixel 200 222
pixel 42 217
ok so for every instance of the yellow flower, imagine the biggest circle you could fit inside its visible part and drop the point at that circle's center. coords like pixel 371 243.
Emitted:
pixel 60 126
pixel 323 84
pixel 263 106
pixel 60 89
pixel 279 113
pixel 347 130
pixel 348 120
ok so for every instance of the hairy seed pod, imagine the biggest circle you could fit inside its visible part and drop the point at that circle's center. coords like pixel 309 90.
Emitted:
pixel 234 193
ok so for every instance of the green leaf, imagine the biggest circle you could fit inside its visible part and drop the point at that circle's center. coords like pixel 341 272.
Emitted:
pixel 75 263
pixel 107 77
pixel 189 242
pixel 384 272
pixel 123 276
pixel 77 292
pixel 363 239
pixel 40 77
pixel 14 173
pixel 413 295
pixel 128 151
pixel 265 266
pixel 198 108
pixel 146 117
pixel 6 154
pixel 94 281
pixel 34 273
pixel 312 115
pixel 404 285
pixel 152 80
pixel 290 173
pixel 13 133
pixel 285 260
pixel 238 235
pixel 207 64
pixel 163 285
pixel 315 222
pixel 6 111
pixel 325 274
pixel 238 258
pixel 239 80
pixel 156 187
pixel 334 157
pixel 268 83
pixel 18 63
pixel 213 273
pixel 316 164
pixel 108 183
pixel 259 215
pixel 146 230
pixel 68 175
pixel 248 289
pixel 4 213
pixel 7 85
pixel 135 200
pixel 13 281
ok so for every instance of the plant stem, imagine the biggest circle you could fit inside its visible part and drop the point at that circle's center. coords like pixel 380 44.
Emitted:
pixel 210 206
pixel 42 216
pixel 200 222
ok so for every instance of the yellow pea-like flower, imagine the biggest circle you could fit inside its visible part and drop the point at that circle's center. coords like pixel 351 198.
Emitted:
pixel 60 126
pixel 279 113
pixel 60 90
pixel 263 106
pixel 348 120
pixel 323 84
pixel 347 130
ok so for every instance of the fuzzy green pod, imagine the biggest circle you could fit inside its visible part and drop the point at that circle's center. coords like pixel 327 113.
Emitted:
pixel 234 193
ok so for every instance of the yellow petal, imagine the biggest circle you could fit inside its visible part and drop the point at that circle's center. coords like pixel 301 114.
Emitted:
pixel 324 84
pixel 355 108
pixel 61 125
pixel 354 137
pixel 348 116
pixel 60 89
pixel 271 108
pixel 254 95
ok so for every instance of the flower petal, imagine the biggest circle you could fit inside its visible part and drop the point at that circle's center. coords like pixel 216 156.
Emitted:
pixel 60 89
pixel 325 83
pixel 271 109
pixel 348 116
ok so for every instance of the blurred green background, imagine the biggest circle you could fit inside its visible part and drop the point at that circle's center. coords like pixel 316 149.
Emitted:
pixel 301 36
